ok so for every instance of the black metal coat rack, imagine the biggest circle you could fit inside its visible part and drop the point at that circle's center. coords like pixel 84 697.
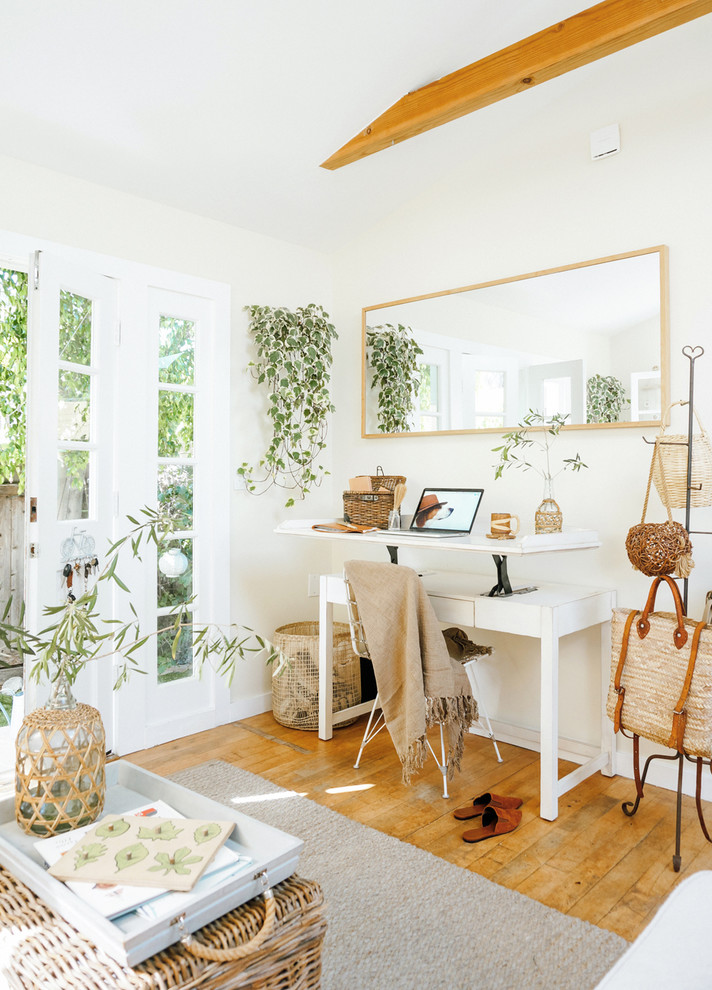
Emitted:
pixel 630 807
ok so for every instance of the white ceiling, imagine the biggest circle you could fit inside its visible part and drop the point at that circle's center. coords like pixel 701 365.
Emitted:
pixel 225 108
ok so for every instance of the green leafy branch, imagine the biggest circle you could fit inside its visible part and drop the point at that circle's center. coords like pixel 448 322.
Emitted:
pixel 77 633
pixel 534 436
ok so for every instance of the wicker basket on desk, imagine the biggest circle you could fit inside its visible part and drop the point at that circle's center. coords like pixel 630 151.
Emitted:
pixel 41 949
pixel 372 508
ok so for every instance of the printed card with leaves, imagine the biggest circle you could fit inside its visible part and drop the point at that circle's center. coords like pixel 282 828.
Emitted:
pixel 153 852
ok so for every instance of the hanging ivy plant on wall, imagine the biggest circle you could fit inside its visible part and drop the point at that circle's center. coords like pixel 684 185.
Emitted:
pixel 393 359
pixel 605 397
pixel 293 362
pixel 13 376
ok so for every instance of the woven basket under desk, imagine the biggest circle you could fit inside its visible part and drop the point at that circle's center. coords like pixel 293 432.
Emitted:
pixel 41 951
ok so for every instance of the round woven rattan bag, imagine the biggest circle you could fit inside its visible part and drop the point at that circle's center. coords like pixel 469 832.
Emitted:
pixel 660 548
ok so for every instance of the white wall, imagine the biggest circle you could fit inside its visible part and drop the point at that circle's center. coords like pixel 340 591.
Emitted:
pixel 535 200
pixel 269 573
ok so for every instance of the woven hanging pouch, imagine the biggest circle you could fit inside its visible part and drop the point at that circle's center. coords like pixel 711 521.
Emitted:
pixel 659 548
pixel 670 472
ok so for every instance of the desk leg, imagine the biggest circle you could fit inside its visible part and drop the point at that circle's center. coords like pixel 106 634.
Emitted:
pixel 608 736
pixel 549 759
pixel 326 667
pixel 503 587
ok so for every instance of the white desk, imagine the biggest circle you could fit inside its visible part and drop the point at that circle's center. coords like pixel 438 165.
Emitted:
pixel 547 614
pixel 523 546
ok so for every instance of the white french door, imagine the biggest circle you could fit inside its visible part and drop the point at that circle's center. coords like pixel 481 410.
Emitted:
pixel 186 456
pixel 72 319
pixel 128 405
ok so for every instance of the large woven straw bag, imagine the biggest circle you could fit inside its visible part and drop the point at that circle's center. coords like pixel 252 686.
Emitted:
pixel 670 473
pixel 661 676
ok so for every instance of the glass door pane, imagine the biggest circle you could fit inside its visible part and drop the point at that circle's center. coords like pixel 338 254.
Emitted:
pixel 74 401
pixel 72 318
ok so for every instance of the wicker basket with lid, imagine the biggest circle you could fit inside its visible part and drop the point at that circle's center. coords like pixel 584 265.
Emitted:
pixel 372 508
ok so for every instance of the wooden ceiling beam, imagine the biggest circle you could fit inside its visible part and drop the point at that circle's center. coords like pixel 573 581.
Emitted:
pixel 585 37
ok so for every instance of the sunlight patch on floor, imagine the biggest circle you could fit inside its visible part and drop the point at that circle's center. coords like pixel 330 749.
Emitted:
pixel 256 798
pixel 352 787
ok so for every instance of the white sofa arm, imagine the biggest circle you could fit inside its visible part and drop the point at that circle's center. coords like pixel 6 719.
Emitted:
pixel 675 948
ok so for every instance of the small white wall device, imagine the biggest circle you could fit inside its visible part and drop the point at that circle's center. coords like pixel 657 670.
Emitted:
pixel 605 141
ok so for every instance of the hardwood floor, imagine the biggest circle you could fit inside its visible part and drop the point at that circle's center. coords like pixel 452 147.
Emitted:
pixel 593 862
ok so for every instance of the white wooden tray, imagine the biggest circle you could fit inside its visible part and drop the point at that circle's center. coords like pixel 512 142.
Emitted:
pixel 131 938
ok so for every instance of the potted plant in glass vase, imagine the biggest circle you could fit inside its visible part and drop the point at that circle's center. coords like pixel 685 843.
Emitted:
pixel 534 437
pixel 60 747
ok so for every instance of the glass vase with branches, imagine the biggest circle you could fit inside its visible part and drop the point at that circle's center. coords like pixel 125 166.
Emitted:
pixel 529 447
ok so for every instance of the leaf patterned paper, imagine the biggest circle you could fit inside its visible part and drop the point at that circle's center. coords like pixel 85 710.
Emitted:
pixel 154 852
pixel 88 854
pixel 178 862
pixel 204 833
pixel 112 829
pixel 130 856
pixel 165 831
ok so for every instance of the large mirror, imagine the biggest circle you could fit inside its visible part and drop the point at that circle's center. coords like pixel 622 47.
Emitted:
pixel 589 340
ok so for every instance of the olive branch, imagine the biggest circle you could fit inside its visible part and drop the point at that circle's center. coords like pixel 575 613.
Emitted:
pixel 78 634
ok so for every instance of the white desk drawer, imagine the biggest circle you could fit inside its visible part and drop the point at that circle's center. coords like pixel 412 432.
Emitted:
pixel 453 610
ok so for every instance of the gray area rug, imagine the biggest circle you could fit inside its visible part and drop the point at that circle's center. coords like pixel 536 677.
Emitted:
pixel 400 918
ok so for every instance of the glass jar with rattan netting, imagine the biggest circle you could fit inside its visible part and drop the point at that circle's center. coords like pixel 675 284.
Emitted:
pixel 60 753
pixel 548 517
pixel 295 685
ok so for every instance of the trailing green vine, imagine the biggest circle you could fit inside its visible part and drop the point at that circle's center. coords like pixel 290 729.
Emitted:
pixel 293 362
pixel 13 375
pixel 393 358
pixel 605 398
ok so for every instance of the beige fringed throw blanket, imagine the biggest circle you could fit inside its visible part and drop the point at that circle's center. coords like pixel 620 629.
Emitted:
pixel 419 685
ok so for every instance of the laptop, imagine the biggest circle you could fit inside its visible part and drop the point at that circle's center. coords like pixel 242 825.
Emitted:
pixel 445 512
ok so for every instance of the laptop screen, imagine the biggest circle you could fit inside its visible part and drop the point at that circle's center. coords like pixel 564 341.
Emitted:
pixel 447 509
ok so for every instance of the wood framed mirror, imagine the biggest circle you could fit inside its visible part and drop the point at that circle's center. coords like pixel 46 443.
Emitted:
pixel 590 340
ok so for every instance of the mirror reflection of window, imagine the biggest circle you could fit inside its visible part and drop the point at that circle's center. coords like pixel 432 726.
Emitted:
pixel 604 317
pixel 429 411
pixel 556 396
pixel 645 396
pixel 489 398
pixel 434 400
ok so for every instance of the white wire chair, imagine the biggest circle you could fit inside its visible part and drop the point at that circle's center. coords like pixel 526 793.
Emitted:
pixel 376 723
